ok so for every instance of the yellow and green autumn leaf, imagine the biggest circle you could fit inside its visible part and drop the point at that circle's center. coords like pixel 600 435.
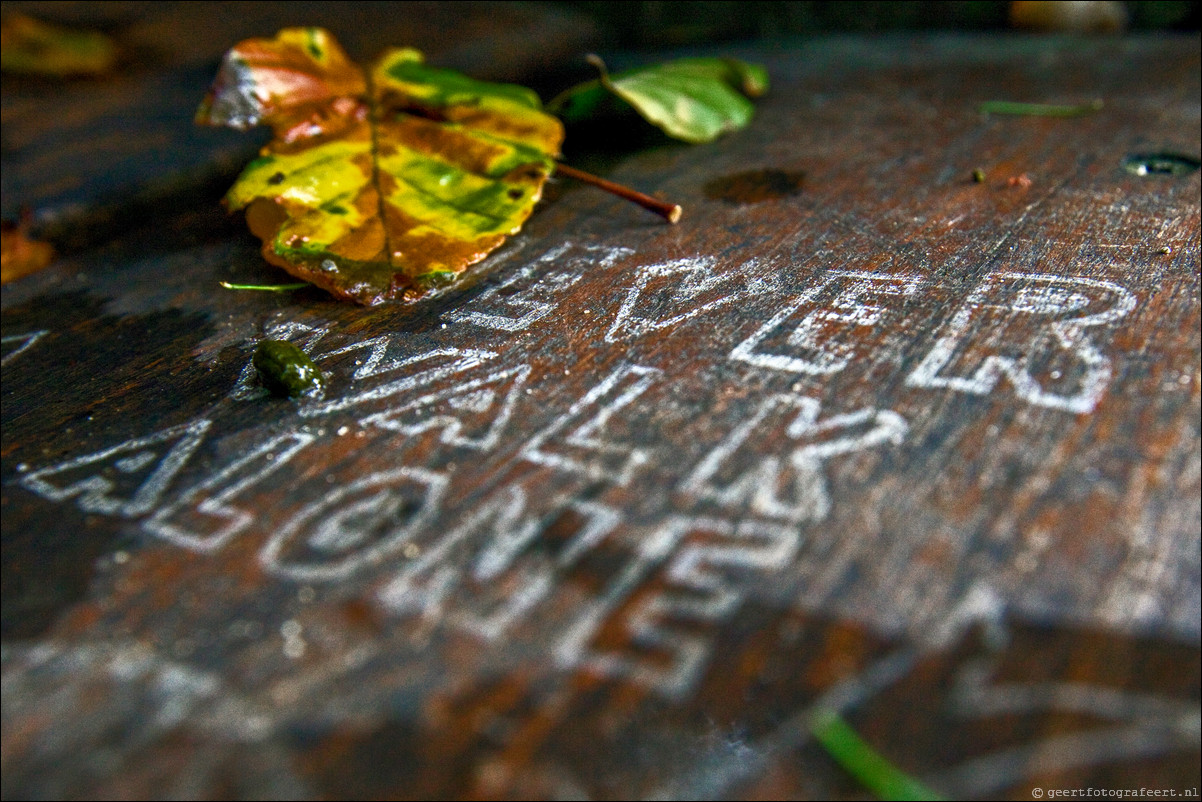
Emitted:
pixel 384 183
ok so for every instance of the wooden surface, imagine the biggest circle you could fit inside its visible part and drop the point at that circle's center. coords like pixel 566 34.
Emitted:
pixel 859 434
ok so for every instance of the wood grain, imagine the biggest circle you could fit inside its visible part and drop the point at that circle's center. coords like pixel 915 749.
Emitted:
pixel 860 433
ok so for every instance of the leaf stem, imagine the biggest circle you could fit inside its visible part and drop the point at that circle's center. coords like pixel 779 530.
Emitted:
pixel 599 63
pixel 669 211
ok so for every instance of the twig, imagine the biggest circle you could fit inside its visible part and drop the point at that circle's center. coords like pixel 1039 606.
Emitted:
pixel 669 211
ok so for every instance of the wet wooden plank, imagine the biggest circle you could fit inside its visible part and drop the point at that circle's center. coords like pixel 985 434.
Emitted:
pixel 860 434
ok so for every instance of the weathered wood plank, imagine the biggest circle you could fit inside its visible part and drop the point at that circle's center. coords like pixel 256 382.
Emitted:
pixel 859 434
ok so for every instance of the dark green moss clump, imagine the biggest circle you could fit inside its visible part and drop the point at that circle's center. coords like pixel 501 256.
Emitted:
pixel 286 370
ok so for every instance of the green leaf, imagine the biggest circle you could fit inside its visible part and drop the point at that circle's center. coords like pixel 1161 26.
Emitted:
pixel 692 99
pixel 380 184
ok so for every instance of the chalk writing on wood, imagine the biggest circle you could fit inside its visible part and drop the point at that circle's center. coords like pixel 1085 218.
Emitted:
pixel 472 414
pixel 354 526
pixel 379 356
pixel 418 371
pixel 204 517
pixel 167 692
pixel 692 571
pixel 997 333
pixel 532 292
pixel 382 355
pixel 576 441
pixel 485 574
pixel 127 479
pixel 13 345
pixel 748 470
pixel 816 333
pixel 1139 725
pixel 669 293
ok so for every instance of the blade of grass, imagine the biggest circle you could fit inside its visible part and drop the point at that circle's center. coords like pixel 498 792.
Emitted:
pixel 1038 109
pixel 863 762
pixel 265 287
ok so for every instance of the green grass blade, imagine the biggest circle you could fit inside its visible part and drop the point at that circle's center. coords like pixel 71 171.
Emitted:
pixel 1038 109
pixel 863 762
pixel 265 287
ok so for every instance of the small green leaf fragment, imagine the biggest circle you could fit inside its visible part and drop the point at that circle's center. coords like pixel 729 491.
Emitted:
pixel 265 287
pixel 691 99
pixel 1006 107
pixel 286 370
pixel 863 762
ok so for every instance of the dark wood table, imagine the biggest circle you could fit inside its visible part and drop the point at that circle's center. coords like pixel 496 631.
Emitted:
pixel 633 510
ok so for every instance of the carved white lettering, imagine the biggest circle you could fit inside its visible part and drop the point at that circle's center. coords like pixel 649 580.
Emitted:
pixel 823 322
pixel 355 526
pixel 481 577
pixel 127 479
pixel 704 581
pixel 576 440
pixel 473 414
pixel 791 485
pixel 531 294
pixel 13 345
pixel 1056 365
pixel 204 517
pixel 669 293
